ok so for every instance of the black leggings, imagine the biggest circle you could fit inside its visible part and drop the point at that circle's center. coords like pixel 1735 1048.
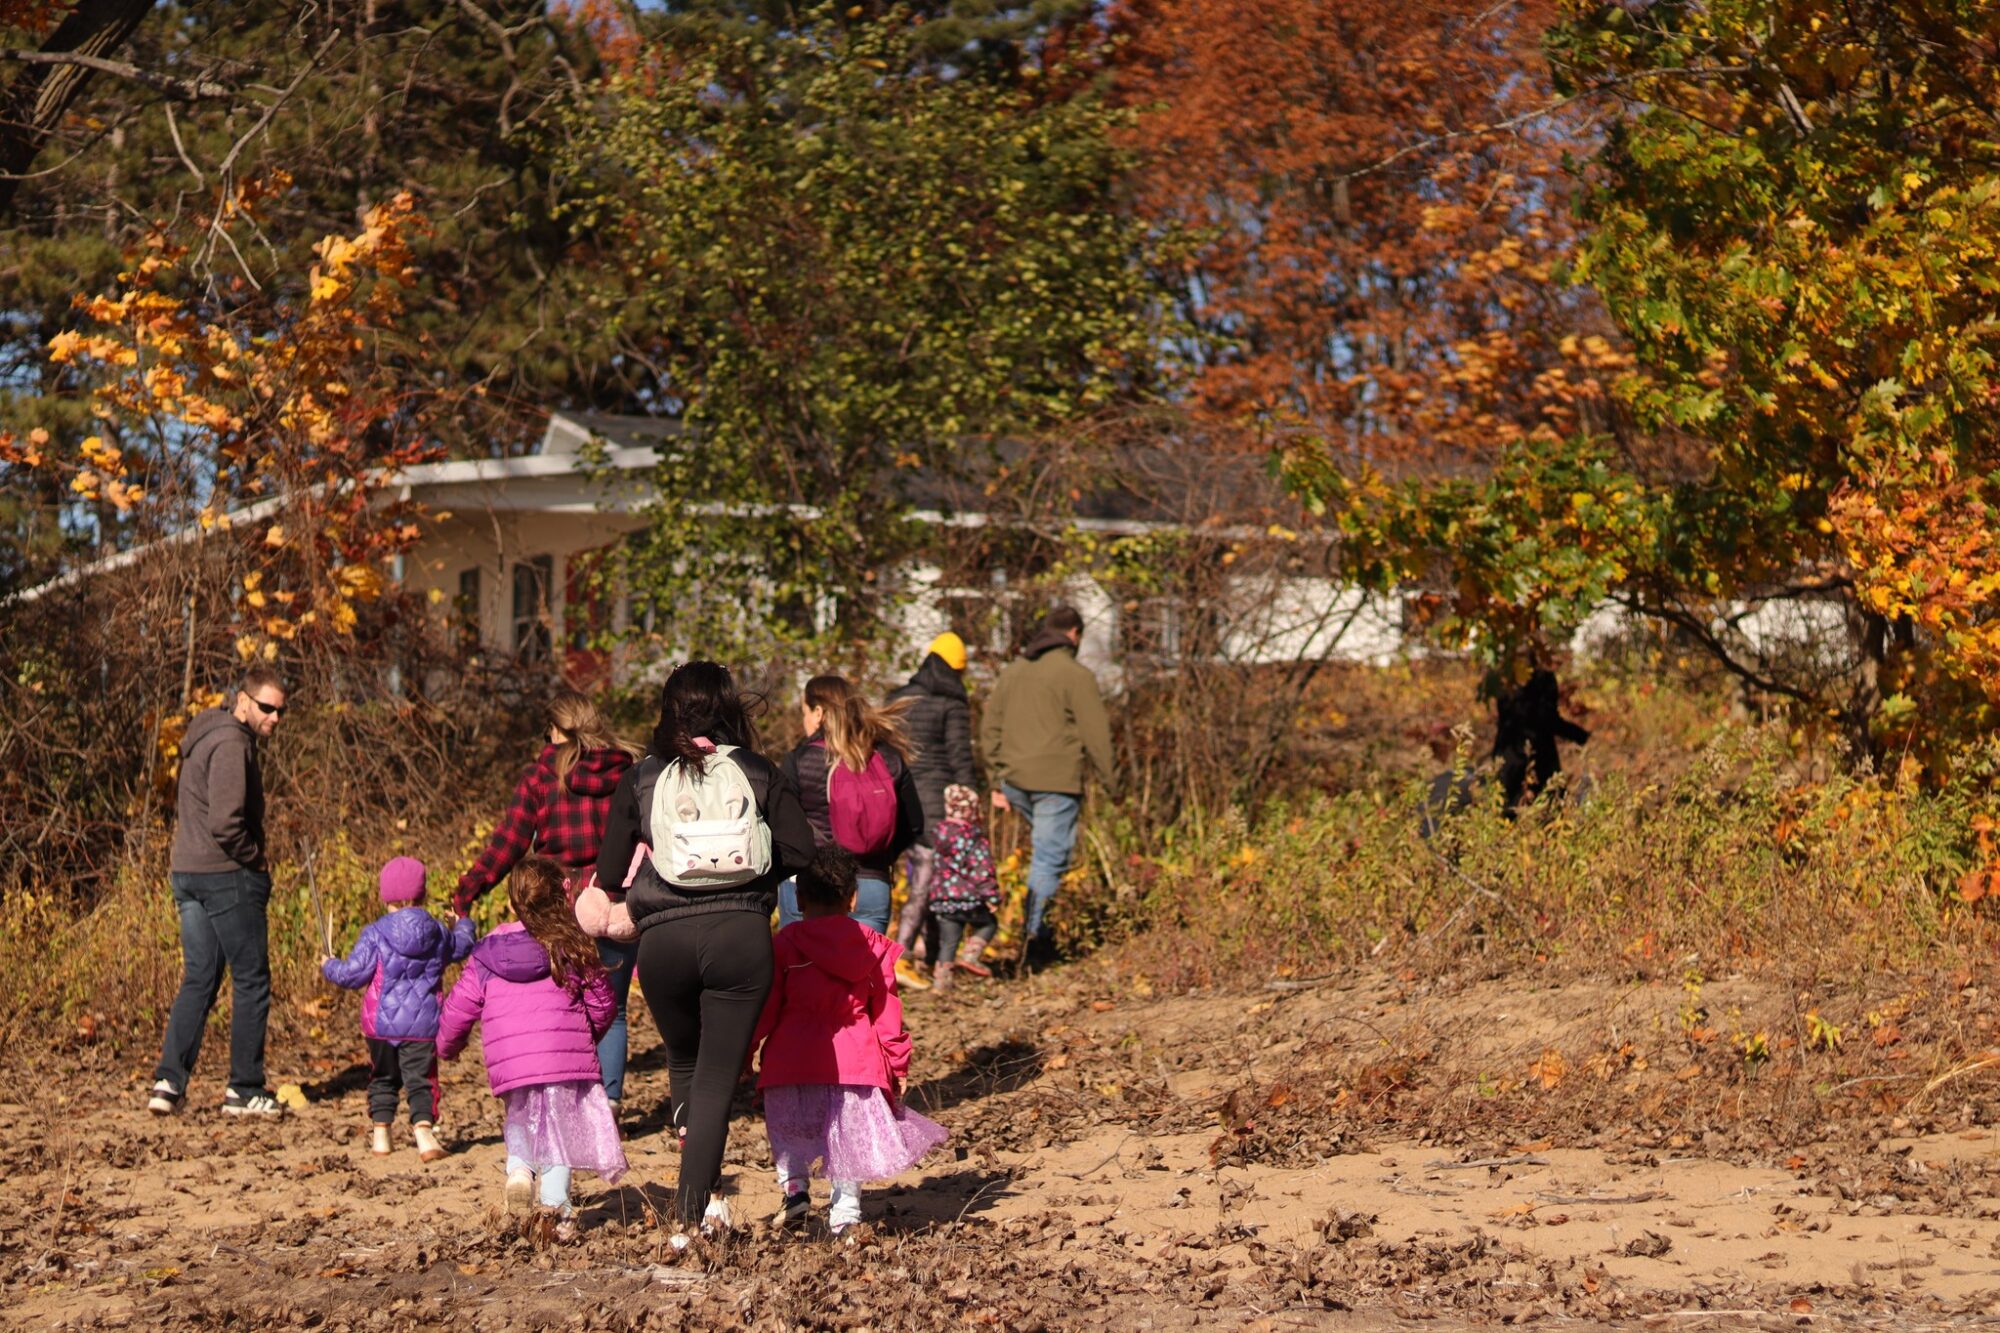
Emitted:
pixel 705 979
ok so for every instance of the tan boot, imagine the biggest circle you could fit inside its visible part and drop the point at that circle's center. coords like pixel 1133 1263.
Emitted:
pixel 428 1147
pixel 941 977
pixel 378 1140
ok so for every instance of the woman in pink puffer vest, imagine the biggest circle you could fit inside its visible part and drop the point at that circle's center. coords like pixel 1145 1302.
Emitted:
pixel 541 997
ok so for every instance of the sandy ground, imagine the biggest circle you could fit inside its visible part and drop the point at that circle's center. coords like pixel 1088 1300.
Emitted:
pixel 1347 1156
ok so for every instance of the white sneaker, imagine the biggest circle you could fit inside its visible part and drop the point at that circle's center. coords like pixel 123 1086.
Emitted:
pixel 520 1191
pixel 378 1140
pixel 716 1217
pixel 166 1099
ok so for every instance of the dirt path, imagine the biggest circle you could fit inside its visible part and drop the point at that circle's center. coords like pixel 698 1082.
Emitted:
pixel 1326 1158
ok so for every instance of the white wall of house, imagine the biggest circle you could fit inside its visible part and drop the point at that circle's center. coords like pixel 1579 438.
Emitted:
pixel 485 549
pixel 1794 628
pixel 1275 617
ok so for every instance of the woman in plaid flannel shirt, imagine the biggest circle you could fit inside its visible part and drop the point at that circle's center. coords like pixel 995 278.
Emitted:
pixel 559 811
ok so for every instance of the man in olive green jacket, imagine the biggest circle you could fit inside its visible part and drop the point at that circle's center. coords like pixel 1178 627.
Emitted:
pixel 1044 721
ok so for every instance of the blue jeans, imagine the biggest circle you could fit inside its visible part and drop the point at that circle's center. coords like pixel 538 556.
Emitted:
pixel 554 1181
pixel 618 957
pixel 223 925
pixel 1051 817
pixel 871 902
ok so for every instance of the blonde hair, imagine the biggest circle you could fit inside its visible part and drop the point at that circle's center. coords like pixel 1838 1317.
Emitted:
pixel 853 727
pixel 583 728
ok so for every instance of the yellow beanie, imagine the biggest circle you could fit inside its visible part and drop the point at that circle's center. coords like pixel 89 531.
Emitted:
pixel 951 648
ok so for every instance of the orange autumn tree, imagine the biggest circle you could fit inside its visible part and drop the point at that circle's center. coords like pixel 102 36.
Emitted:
pixel 281 406
pixel 1378 260
pixel 223 503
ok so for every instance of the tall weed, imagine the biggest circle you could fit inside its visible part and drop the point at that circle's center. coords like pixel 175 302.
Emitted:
pixel 1732 862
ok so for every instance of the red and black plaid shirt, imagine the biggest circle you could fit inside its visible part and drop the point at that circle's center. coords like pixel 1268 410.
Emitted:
pixel 556 821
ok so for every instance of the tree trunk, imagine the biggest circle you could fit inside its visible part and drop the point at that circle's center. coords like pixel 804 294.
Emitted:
pixel 32 105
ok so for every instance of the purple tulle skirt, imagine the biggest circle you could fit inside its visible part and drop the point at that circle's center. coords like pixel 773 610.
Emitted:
pixel 564 1124
pixel 852 1131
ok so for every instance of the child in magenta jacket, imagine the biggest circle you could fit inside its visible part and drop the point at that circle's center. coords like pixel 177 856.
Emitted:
pixel 542 999
pixel 834 1051
pixel 400 959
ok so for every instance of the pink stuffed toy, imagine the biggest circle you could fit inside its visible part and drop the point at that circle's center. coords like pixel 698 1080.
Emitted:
pixel 598 915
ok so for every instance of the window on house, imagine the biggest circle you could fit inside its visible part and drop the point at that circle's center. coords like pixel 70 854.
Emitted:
pixel 465 609
pixel 1150 627
pixel 1168 629
pixel 533 580
pixel 993 622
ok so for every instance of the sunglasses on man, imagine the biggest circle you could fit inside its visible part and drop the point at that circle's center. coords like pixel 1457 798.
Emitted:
pixel 269 710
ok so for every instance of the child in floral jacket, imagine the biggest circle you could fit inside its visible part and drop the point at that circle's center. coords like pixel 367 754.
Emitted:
pixel 965 891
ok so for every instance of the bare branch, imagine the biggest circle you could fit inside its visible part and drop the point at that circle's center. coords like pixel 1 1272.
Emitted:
pixel 185 90
pixel 174 129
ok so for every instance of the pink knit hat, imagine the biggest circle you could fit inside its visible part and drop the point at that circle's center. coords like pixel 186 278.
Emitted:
pixel 403 880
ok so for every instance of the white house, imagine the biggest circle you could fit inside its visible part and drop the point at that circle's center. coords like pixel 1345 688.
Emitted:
pixel 513 543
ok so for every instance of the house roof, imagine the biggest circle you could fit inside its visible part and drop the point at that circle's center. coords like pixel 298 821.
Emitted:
pixel 1140 486
pixel 1145 487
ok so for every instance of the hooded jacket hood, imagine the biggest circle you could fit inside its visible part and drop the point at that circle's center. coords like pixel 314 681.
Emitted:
pixel 512 954
pixel 207 723
pixel 935 676
pixel 595 772
pixel 411 932
pixel 840 946
pixel 534 1031
pixel 1047 641
pixel 833 1015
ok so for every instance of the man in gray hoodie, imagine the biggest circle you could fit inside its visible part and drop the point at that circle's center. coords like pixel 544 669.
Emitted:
pixel 222 887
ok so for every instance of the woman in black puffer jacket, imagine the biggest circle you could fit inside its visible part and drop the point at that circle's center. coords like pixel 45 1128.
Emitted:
pixel 938 721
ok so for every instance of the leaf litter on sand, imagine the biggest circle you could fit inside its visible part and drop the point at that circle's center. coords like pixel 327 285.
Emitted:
pixel 1084 1186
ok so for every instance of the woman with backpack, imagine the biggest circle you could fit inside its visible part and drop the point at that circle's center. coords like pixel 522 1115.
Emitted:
pixel 725 828
pixel 558 811
pixel 852 773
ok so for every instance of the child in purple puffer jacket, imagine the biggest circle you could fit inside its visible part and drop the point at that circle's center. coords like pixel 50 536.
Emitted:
pixel 400 958
pixel 541 996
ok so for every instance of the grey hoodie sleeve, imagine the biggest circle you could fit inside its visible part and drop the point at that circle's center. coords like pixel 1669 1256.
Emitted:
pixel 229 778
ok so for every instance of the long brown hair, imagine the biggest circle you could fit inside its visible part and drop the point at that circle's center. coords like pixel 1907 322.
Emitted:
pixel 536 892
pixel 853 727
pixel 583 729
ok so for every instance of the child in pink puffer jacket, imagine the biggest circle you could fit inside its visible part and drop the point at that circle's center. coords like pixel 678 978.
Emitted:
pixel 542 999
pixel 834 1051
